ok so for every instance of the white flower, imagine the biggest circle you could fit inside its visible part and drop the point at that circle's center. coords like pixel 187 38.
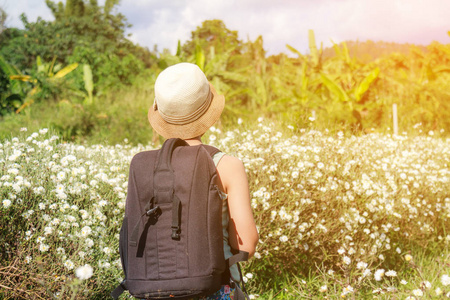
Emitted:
pixel 61 196
pixel 408 257
pixel 60 188
pixel 323 288
pixel 445 279
pixel 28 259
pixel 84 272
pixel 391 273
pixel 361 265
pixel 283 238
pixel 417 292
pixel 347 290
pixel 341 251
pixel 85 231
pixel 13 171
pixel 43 247
pixel 379 274
pixel 69 264
pixel 257 255
pixel 438 292
pixel 347 260
pixel 48 230
pixel 249 275
pixel 426 284
pixel 366 273
pixel 61 176
pixel 6 203
pixel 403 281
pixel 89 243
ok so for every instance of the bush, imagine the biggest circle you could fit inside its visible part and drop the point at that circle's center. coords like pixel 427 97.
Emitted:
pixel 338 211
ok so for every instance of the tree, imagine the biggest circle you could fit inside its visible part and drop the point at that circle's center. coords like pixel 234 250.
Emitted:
pixel 83 32
pixel 213 33
pixel 2 20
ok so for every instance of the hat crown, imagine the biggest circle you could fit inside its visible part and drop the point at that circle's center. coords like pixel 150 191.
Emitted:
pixel 181 90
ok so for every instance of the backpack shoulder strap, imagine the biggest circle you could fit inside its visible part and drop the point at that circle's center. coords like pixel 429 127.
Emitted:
pixel 215 153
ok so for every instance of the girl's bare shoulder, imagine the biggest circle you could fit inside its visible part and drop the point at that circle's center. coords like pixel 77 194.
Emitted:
pixel 230 163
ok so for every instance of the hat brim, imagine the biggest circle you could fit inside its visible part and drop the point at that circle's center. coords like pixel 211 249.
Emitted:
pixel 195 128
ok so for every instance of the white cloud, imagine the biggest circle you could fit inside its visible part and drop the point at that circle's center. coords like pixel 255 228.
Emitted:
pixel 32 9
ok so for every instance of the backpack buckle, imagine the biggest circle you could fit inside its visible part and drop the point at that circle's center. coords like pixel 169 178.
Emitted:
pixel 153 211
pixel 175 232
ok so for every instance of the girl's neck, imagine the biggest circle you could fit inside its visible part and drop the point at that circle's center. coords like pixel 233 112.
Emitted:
pixel 194 141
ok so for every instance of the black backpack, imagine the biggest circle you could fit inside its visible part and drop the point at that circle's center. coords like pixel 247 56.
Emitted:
pixel 171 240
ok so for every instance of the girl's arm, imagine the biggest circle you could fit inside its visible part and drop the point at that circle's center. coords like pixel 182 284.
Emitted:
pixel 242 229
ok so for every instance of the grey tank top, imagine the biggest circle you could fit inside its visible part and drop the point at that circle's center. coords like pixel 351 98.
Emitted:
pixel 225 220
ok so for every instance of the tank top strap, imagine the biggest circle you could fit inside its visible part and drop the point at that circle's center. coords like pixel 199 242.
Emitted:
pixel 217 157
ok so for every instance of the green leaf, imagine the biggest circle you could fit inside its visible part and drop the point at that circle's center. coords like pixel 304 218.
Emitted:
pixel 292 49
pixel 346 53
pixel 178 49
pixel 234 76
pixel 66 70
pixel 14 99
pixel 40 65
pixel 365 84
pixel 313 48
pixel 336 49
pixel 10 70
pixel 7 68
pixel 26 78
pixel 88 81
pixel 199 57
pixel 335 88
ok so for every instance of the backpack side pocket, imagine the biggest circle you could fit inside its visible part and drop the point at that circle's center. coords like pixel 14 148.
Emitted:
pixel 123 245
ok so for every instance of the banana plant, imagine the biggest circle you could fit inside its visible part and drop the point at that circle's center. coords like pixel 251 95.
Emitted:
pixel 305 80
pixel 48 75
pixel 352 98
pixel 216 68
pixel 12 90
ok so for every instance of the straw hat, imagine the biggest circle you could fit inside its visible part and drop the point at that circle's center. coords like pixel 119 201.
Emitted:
pixel 186 105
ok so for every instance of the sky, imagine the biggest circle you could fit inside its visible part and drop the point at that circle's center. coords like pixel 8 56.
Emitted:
pixel 279 22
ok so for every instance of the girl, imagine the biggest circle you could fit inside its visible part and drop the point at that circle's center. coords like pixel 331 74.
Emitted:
pixel 186 105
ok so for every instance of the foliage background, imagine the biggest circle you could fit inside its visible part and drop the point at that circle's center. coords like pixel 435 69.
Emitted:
pixel 351 86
